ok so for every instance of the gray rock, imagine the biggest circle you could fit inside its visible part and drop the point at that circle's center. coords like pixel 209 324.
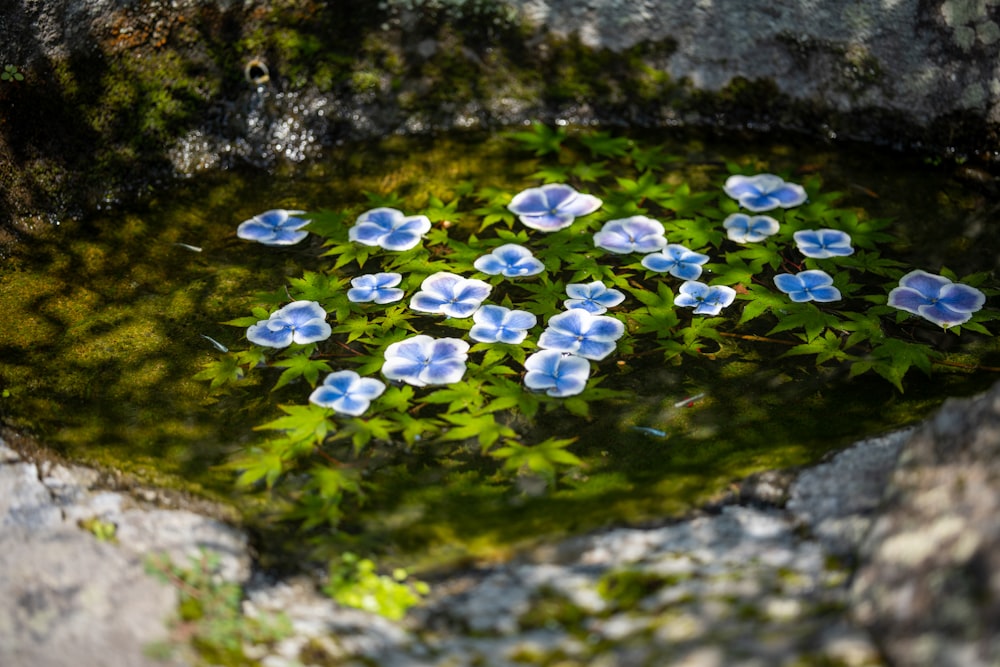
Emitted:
pixel 929 583
pixel 838 500
pixel 921 59
pixel 71 599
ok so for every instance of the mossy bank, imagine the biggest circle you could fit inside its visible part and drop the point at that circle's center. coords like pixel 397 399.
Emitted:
pixel 106 100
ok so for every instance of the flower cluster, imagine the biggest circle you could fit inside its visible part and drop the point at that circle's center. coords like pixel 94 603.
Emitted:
pixel 299 322
pixel 552 207
pixel 389 229
pixel 274 227
pixel 582 333
pixel 936 298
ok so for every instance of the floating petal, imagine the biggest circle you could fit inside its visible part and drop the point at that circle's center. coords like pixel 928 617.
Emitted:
pixel 556 373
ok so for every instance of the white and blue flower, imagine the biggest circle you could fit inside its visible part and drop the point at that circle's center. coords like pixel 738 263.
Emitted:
pixel 556 373
pixel 510 260
pixel 389 228
pixel 274 227
pixel 422 360
pixel 299 322
pixel 582 333
pixel 743 228
pixel 823 243
pixel 936 298
pixel 812 285
pixel 705 299
pixel 593 297
pixel 764 192
pixel 677 260
pixel 552 207
pixel 347 393
pixel 496 324
pixel 450 294
pixel 634 234
pixel 377 287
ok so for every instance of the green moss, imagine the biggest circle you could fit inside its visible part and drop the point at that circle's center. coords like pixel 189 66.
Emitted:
pixel 624 589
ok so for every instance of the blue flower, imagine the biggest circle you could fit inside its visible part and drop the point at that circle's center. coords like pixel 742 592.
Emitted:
pixel 764 192
pixel 635 234
pixel 377 287
pixel 274 227
pixel 676 260
pixel 936 298
pixel 743 228
pixel 299 322
pixel 823 243
pixel 347 393
pixel 579 332
pixel 498 324
pixel 811 285
pixel 421 360
pixel 450 294
pixel 389 229
pixel 705 299
pixel 552 207
pixel 593 297
pixel 510 260
pixel 557 373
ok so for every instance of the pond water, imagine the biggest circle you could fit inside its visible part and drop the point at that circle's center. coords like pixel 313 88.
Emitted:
pixel 111 318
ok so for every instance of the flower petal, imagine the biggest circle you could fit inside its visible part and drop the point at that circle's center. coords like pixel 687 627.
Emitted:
pixel 261 334
pixel 908 299
pixel 928 284
pixel 962 298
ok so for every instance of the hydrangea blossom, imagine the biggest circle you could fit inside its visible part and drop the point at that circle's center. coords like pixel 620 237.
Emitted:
pixel 450 294
pixel 635 234
pixel 582 333
pixel 274 227
pixel 389 228
pixel 495 324
pixel 422 360
pixel 552 207
pixel 743 228
pixel 810 285
pixel 593 297
pixel 347 393
pixel 936 298
pixel 823 243
pixel 299 322
pixel 556 373
pixel 510 260
pixel 377 287
pixel 705 299
pixel 764 192
pixel 678 261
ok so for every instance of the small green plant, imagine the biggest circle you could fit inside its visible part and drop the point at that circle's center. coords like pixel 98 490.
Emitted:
pixel 210 614
pixel 11 73
pixel 355 582
pixel 105 531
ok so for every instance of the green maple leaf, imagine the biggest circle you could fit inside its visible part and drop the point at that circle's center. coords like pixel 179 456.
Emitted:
pixel 542 459
pixel 825 347
pixel 302 423
pixel 300 366
pixel 221 372
pixel 602 144
pixel 541 138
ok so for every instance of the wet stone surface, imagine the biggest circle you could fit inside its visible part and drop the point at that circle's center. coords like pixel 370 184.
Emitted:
pixel 791 569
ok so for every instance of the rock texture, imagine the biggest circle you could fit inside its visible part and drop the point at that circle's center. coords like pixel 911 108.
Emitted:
pixel 884 555
pixel 922 59
pixel 929 583
pixel 72 600
pixel 119 93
